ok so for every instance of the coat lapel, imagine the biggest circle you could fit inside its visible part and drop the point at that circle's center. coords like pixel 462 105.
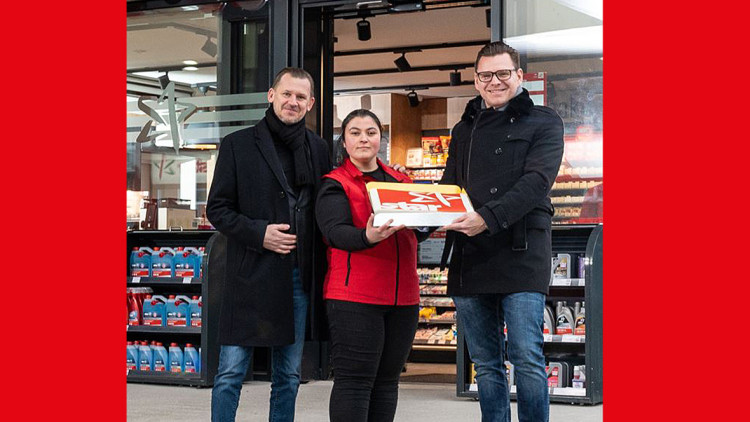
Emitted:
pixel 265 143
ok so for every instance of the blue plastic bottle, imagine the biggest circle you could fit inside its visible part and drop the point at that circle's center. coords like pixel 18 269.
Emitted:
pixel 132 362
pixel 196 312
pixel 162 262
pixel 176 360
pixel 192 359
pixel 178 310
pixel 161 358
pixel 186 262
pixel 145 357
pixel 154 312
pixel 140 262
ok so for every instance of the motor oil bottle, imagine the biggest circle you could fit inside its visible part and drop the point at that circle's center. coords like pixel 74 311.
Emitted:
pixel 579 327
pixel 145 357
pixel 132 362
pixel 510 373
pixel 178 310
pixel 153 310
pixel 176 360
pixel 554 375
pixel 140 262
pixel 201 255
pixel 161 358
pixel 565 319
pixel 134 308
pixel 196 311
pixel 549 327
pixel 191 359
pixel 562 270
pixel 162 262
pixel 186 262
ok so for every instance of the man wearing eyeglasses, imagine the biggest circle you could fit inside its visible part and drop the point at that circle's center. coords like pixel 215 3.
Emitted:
pixel 505 152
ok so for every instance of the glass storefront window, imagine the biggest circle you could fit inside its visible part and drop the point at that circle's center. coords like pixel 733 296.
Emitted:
pixel 560 42
pixel 175 119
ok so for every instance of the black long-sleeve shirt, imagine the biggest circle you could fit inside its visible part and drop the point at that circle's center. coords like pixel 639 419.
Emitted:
pixel 334 216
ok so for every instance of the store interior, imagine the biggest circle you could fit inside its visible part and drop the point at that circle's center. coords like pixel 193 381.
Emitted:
pixel 418 100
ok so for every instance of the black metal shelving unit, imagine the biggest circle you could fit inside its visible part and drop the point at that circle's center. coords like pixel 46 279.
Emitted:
pixel 205 286
pixel 581 239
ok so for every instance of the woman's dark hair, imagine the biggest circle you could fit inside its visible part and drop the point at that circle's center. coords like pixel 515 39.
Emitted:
pixel 361 112
pixel 341 153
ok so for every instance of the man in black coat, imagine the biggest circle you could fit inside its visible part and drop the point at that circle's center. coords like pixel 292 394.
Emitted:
pixel 261 198
pixel 505 152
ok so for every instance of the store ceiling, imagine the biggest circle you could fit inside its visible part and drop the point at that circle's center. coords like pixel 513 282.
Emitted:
pixel 557 28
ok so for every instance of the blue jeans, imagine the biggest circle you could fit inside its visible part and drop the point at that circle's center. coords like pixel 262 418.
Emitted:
pixel 481 319
pixel 286 369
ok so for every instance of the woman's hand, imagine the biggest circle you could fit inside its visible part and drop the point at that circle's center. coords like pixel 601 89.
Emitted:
pixel 376 234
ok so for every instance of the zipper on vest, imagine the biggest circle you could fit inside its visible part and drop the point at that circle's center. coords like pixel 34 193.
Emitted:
pixel 348 267
pixel 398 265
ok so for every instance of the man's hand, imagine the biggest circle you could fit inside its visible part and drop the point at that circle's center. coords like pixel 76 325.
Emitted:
pixel 399 167
pixel 376 234
pixel 470 224
pixel 278 241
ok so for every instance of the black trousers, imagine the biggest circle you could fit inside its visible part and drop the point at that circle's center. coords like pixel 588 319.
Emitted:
pixel 369 346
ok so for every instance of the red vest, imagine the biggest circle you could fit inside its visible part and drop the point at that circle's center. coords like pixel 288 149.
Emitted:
pixel 385 274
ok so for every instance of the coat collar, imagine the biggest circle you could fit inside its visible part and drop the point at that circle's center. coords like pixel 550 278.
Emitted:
pixel 519 105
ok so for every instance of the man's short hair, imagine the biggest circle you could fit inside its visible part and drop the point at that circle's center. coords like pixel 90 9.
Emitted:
pixel 295 72
pixel 497 48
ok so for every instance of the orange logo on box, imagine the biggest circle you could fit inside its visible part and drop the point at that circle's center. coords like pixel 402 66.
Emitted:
pixel 419 201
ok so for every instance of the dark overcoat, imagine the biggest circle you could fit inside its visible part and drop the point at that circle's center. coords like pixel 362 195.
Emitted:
pixel 507 161
pixel 248 193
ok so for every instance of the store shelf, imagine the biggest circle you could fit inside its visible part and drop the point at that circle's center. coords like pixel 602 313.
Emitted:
pixel 152 377
pixel 437 304
pixel 163 330
pixel 575 177
pixel 434 347
pixel 564 338
pixel 432 342
pixel 426 168
pixel 555 192
pixel 568 282
pixel 438 321
pixel 140 281
pixel 553 391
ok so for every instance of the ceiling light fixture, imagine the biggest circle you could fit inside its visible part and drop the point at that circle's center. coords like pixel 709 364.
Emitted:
pixel 189 62
pixel 164 80
pixel 402 64
pixel 190 68
pixel 413 98
pixel 210 48
pixel 455 78
pixel 363 30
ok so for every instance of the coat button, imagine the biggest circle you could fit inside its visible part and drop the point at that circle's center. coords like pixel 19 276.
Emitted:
pixel 493 190
pixel 498 151
pixel 282 194
pixel 508 136
pixel 505 224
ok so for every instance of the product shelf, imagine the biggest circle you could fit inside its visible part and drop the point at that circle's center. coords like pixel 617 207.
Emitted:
pixel 583 241
pixel 163 330
pixel 435 347
pixel 141 281
pixel 438 321
pixel 174 378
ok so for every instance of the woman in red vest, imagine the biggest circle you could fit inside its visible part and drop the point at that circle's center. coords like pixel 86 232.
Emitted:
pixel 371 288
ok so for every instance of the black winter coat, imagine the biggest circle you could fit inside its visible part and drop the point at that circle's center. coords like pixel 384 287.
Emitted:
pixel 507 161
pixel 248 193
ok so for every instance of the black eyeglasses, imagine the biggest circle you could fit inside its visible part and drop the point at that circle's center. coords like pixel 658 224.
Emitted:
pixel 502 75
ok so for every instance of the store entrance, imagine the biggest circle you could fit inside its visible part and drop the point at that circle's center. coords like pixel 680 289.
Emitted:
pixel 411 63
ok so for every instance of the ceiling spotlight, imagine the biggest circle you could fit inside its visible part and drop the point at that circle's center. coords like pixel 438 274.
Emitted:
pixel 363 30
pixel 164 80
pixel 210 48
pixel 413 98
pixel 402 64
pixel 190 68
pixel 189 62
pixel 455 78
